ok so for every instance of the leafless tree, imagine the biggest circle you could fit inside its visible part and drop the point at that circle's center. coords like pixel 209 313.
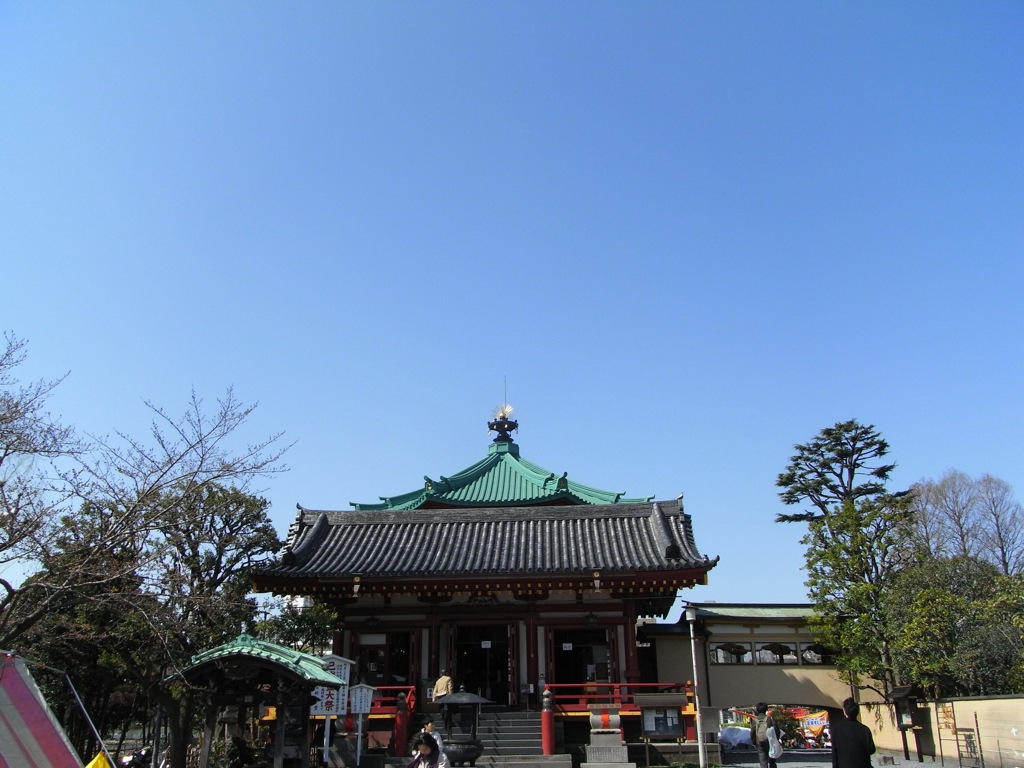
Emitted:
pixel 931 532
pixel 1003 524
pixel 951 505
pixel 49 475
pixel 31 441
pixel 961 516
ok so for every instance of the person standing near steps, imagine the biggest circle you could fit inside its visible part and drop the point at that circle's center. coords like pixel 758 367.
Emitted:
pixel 442 687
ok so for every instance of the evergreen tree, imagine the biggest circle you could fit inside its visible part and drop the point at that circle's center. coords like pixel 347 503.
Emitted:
pixel 857 542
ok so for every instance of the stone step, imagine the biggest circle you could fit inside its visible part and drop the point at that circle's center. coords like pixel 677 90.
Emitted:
pixel 508 736
pixel 505 735
pixel 524 761
pixel 510 715
pixel 504 761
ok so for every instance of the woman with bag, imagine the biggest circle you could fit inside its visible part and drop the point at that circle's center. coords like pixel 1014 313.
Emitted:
pixel 765 736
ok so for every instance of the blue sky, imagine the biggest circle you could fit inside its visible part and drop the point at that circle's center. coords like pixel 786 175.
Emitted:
pixel 680 236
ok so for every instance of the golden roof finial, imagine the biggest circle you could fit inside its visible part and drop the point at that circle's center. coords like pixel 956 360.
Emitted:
pixel 502 423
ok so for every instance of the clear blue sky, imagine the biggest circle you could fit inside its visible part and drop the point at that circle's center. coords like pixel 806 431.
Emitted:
pixel 685 236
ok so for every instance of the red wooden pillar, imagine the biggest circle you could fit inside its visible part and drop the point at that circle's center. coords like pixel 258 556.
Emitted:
pixel 547 725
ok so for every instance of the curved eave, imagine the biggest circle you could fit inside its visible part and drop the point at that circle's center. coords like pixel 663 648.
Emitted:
pixel 468 546
pixel 288 672
pixel 431 489
pixel 292 664
pixel 617 585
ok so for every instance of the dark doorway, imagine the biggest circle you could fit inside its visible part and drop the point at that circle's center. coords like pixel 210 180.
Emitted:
pixel 384 659
pixel 482 661
pixel 581 655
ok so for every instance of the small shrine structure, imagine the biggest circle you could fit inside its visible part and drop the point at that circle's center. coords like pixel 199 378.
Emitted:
pixel 246 675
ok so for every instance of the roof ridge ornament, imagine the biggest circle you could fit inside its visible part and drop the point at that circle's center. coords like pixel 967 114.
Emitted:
pixel 503 424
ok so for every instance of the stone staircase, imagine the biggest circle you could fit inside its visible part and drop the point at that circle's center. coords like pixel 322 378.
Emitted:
pixel 509 733
pixel 511 739
pixel 502 761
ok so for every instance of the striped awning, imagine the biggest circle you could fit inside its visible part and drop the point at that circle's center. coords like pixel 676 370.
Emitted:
pixel 30 735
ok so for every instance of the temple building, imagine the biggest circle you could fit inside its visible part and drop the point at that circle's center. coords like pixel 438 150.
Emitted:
pixel 511 577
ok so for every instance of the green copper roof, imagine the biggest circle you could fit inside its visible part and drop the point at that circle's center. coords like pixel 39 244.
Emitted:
pixel 247 648
pixel 502 479
pixel 764 611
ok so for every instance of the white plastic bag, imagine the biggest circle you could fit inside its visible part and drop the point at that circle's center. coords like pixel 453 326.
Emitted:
pixel 774 745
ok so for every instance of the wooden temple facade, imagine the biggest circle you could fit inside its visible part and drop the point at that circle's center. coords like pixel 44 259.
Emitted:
pixel 514 579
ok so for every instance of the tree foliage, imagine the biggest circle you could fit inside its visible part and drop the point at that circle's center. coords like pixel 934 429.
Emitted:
pixel 52 479
pixel 188 591
pixel 194 593
pixel 309 628
pixel 841 464
pixel 77 636
pixel 141 547
pixel 922 586
pixel 955 635
pixel 856 544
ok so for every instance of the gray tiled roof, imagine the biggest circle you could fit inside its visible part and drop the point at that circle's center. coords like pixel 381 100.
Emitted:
pixel 508 541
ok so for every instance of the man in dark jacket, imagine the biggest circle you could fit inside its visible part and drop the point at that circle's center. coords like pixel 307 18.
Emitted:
pixel 852 743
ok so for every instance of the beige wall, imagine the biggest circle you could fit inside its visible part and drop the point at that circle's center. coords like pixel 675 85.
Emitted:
pixel 989 728
pixel 743 685
pixel 955 732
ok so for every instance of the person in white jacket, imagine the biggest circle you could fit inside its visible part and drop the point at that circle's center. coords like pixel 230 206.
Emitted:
pixel 427 754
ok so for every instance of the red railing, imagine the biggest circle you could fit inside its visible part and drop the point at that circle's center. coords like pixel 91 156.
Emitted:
pixel 394 706
pixel 392 709
pixel 606 703
pixel 386 699
pixel 569 698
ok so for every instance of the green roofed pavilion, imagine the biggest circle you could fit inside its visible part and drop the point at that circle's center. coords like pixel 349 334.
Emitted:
pixel 250 651
pixel 248 674
pixel 502 479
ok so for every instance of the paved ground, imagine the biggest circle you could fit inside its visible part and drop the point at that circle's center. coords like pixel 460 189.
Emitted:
pixel 801 758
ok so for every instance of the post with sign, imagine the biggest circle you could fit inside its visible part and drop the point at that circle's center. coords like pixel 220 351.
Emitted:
pixel 332 702
pixel 361 697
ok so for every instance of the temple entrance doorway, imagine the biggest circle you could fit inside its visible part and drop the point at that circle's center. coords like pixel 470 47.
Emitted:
pixel 580 655
pixel 483 661
pixel 383 659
